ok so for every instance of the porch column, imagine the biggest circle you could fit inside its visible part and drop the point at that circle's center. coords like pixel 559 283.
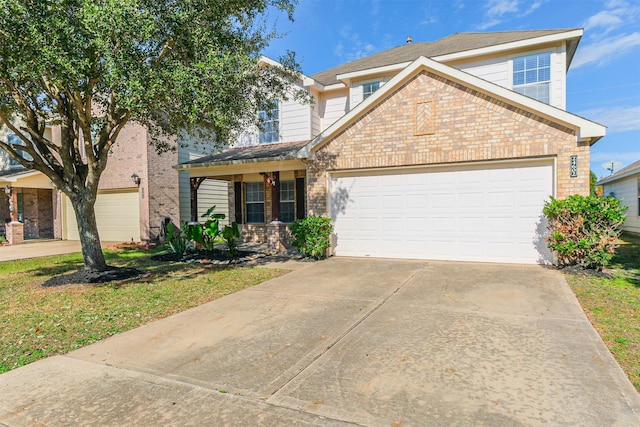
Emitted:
pixel 275 197
pixel 195 184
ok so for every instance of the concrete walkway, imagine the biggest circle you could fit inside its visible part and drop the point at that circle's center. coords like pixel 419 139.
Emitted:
pixel 40 248
pixel 346 342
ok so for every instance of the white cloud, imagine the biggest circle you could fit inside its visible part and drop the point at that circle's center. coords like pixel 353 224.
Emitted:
pixel 616 14
pixel 617 119
pixel 605 50
pixel 351 46
pixel 496 11
pixel 497 8
pixel 605 19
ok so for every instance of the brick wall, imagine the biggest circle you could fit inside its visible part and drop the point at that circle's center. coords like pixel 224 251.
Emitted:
pixel 45 214
pixel 30 213
pixel 464 126
pixel 162 198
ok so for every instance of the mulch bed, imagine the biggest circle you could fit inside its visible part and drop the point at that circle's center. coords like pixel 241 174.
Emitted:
pixel 204 256
pixel 84 276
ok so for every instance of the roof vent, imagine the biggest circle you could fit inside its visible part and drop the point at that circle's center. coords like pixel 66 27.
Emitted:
pixel 409 39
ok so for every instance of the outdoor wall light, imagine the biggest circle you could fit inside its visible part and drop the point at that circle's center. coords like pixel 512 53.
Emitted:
pixel 7 190
pixel 270 180
pixel 135 178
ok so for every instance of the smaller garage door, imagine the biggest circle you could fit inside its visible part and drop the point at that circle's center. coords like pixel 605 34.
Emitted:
pixel 117 215
pixel 491 212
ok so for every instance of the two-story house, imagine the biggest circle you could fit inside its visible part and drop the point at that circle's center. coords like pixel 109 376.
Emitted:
pixel 431 150
pixel 138 190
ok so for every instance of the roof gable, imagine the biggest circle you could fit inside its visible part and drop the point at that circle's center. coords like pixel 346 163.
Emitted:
pixel 585 130
pixel 455 44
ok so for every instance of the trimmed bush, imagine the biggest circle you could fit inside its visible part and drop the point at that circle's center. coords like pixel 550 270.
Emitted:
pixel 312 236
pixel 584 230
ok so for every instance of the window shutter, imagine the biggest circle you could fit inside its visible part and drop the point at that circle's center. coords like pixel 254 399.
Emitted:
pixel 237 190
pixel 300 198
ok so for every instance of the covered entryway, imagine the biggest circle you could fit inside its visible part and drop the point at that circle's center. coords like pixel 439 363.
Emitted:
pixel 490 212
pixel 117 215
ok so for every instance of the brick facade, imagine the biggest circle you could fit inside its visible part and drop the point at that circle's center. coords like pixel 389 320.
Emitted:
pixel 466 126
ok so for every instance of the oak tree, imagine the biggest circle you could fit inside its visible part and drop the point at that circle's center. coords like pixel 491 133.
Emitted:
pixel 92 66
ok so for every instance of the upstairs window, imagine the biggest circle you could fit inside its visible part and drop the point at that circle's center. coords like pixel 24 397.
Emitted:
pixel 12 138
pixel 254 194
pixel 369 88
pixel 532 76
pixel 269 122
pixel 287 201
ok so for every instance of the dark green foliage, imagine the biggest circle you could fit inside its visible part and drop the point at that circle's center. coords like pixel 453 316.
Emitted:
pixel 312 236
pixel 177 238
pixel 93 66
pixel 584 230
pixel 593 179
pixel 231 234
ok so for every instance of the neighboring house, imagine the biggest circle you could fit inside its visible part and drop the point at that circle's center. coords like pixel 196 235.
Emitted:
pixel 625 185
pixel 137 191
pixel 442 150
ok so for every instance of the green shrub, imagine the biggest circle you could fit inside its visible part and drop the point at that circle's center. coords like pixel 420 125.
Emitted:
pixel 231 234
pixel 312 236
pixel 584 230
pixel 177 238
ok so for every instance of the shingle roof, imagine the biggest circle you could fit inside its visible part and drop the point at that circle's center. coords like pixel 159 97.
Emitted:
pixel 10 173
pixel 628 170
pixel 459 42
pixel 281 151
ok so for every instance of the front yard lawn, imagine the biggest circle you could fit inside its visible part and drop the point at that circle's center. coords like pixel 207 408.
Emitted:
pixel 37 322
pixel 612 304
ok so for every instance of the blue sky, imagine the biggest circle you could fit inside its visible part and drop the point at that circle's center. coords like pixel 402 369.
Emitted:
pixel 603 81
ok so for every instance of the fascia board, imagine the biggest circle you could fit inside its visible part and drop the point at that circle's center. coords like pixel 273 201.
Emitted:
pixel 610 179
pixel 510 46
pixel 586 129
pixel 370 71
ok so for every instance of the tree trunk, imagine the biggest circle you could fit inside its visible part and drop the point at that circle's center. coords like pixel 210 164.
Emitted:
pixel 89 238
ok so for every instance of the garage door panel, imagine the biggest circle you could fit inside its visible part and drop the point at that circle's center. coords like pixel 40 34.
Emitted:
pixel 474 214
pixel 117 216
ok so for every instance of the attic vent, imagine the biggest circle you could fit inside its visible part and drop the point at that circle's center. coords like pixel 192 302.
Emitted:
pixel 409 39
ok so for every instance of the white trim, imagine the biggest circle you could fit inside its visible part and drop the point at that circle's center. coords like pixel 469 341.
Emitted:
pixel 521 44
pixel 586 130
pixel 547 160
pixel 378 70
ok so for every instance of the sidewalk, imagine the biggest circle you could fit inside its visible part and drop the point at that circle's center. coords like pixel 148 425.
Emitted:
pixel 39 248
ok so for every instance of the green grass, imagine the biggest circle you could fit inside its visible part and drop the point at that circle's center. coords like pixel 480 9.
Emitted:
pixel 37 322
pixel 613 305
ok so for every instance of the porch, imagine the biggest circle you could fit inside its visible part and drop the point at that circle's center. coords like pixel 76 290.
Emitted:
pixel 266 187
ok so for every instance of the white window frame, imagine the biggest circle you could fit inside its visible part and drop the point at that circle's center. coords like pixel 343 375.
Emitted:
pixel 524 86
pixel 13 163
pixel 269 131
pixel 291 192
pixel 370 84
pixel 249 194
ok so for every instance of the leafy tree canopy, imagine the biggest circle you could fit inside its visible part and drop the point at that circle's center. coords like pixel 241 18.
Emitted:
pixel 92 66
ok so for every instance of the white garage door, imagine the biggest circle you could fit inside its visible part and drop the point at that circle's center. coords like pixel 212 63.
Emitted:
pixel 483 213
pixel 117 215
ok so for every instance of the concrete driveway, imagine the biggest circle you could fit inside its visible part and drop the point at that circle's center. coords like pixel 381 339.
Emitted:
pixel 346 342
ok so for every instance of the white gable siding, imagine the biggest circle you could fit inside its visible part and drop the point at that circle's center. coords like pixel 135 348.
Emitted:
pixel 295 121
pixel 558 95
pixel 315 118
pixel 495 70
pixel 626 190
pixel 499 70
pixel 356 89
pixel 333 106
